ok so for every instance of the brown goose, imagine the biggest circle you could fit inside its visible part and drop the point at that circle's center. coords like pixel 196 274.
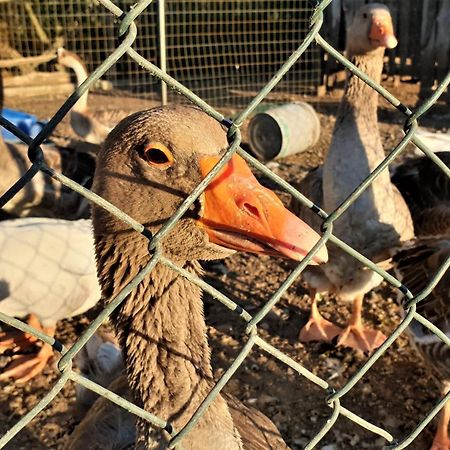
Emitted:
pixel 415 266
pixel 426 190
pixel 92 126
pixel 379 219
pixel 106 426
pixel 44 196
pixel 147 166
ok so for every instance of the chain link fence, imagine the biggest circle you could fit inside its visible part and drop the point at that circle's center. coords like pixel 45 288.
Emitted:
pixel 222 50
pixel 127 34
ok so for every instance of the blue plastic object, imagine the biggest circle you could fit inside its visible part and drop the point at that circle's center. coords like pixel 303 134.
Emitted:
pixel 28 123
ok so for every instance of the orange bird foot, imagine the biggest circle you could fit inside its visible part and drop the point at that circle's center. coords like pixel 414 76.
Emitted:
pixel 319 329
pixel 16 341
pixel 360 338
pixel 25 367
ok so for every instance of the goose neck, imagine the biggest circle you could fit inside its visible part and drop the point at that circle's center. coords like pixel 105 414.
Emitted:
pixel 162 331
pixel 81 75
pixel 359 95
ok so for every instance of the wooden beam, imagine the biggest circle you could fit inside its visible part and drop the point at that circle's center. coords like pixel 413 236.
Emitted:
pixel 36 79
pixel 45 57
pixel 36 91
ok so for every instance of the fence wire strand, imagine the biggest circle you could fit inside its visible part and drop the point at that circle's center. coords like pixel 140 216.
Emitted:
pixel 126 35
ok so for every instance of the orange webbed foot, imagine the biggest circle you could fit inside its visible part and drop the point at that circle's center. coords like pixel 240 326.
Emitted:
pixel 25 367
pixel 318 328
pixel 16 340
pixel 359 338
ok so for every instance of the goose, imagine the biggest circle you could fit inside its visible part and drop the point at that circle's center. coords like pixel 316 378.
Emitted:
pixel 107 426
pixel 436 141
pixel 92 126
pixel 147 166
pixel 379 219
pixel 426 189
pixel 43 196
pixel 47 272
pixel 415 265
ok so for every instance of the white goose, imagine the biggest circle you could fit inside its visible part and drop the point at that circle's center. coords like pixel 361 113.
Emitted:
pixel 48 273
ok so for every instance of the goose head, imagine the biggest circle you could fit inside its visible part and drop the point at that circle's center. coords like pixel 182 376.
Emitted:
pixel 153 160
pixel 370 30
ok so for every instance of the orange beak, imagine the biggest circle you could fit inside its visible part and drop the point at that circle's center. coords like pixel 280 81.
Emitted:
pixel 240 214
pixel 382 32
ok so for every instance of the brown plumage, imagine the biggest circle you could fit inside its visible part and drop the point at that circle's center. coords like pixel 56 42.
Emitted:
pixel 379 219
pixel 147 166
pixel 425 188
pixel 106 426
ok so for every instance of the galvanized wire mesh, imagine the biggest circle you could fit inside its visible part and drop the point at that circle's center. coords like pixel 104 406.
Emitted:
pixel 222 50
pixel 128 33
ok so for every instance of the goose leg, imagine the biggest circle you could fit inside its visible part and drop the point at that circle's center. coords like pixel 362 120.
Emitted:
pixel 25 367
pixel 17 340
pixel 441 440
pixel 356 336
pixel 318 328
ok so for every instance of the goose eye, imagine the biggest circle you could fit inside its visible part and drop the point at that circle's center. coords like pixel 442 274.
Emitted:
pixel 364 15
pixel 157 155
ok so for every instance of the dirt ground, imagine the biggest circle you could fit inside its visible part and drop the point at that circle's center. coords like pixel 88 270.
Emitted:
pixel 395 394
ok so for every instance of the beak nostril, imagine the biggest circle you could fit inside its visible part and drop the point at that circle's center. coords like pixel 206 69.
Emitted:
pixel 250 209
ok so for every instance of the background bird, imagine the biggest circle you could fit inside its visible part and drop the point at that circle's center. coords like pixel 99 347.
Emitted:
pixel 44 196
pixel 379 219
pixel 47 272
pixel 426 189
pixel 91 126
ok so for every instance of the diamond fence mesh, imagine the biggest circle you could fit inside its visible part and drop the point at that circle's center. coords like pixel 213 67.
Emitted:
pixel 127 35
pixel 222 50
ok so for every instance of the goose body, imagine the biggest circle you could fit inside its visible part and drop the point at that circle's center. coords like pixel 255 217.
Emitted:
pixel 379 219
pixel 91 126
pixel 48 272
pixel 43 196
pixel 435 141
pixel 110 427
pixel 415 265
pixel 426 190
pixel 149 163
